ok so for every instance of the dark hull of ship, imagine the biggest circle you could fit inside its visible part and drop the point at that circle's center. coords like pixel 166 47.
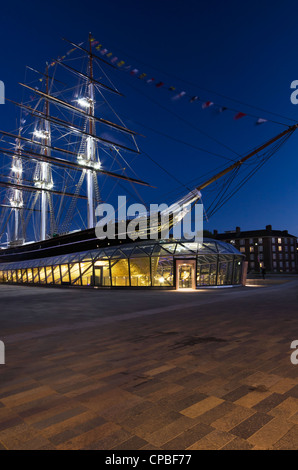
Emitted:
pixel 64 244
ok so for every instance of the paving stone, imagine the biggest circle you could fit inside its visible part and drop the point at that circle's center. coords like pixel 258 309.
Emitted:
pixel 251 425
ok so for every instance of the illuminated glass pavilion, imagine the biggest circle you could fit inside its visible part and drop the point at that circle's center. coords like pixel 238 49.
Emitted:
pixel 161 264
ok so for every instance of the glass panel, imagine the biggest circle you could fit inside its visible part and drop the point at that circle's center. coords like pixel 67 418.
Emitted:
pixel 29 275
pixel 237 270
pixel 35 276
pixel 49 275
pixel 225 271
pixel 162 271
pixel 14 276
pixel 75 274
pixel 140 271
pixel 120 273
pixel 19 274
pixel 102 273
pixel 87 274
pixel 64 274
pixel 57 275
pixel 207 275
pixel 42 275
pixel 24 276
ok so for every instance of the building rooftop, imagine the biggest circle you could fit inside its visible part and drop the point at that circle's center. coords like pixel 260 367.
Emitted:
pixel 267 232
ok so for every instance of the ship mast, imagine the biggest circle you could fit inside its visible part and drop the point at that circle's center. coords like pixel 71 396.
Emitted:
pixel 17 200
pixel 90 143
pixel 44 179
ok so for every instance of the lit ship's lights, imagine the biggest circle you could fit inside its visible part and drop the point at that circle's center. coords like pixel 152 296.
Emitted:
pixel 16 204
pixel 40 134
pixel 43 184
pixel 16 169
pixel 85 102
pixel 82 160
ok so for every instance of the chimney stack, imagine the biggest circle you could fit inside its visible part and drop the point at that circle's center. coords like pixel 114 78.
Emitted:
pixel 215 232
pixel 238 230
pixel 269 228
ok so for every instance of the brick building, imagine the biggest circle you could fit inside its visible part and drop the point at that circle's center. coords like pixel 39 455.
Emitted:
pixel 276 250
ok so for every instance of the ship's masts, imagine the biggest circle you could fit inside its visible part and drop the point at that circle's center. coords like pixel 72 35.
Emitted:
pixel 45 169
pixel 90 144
pixel 73 128
pixel 83 75
pixel 72 108
pixel 34 189
pixel 90 53
pixel 28 154
pixel 35 142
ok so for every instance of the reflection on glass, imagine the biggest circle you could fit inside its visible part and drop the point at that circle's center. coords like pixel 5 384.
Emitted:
pixel 42 275
pixel 57 275
pixel 49 274
pixel 140 272
pixel 162 271
pixel 87 274
pixel 75 274
pixel 120 272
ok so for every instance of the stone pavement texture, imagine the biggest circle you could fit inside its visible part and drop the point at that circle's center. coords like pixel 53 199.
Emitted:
pixel 90 369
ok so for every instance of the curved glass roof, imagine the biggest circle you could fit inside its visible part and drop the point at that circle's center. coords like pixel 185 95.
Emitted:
pixel 178 248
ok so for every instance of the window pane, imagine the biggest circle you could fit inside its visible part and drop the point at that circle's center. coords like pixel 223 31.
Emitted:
pixel 49 274
pixel 87 274
pixel 75 274
pixel 42 275
pixel 57 275
pixel 64 273
pixel 162 271
pixel 120 276
pixel 140 271
pixel 29 275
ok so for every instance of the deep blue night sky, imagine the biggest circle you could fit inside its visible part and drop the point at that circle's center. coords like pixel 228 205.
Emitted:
pixel 243 50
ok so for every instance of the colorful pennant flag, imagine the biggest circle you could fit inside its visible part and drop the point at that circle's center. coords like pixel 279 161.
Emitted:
pixel 207 104
pixel 239 116
pixel 261 121
pixel 159 84
pixel 180 95
pixel 150 80
pixel 134 72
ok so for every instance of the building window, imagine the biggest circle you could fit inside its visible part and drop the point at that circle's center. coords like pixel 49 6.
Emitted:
pixel 273 240
pixel 242 249
pixel 260 240
pixel 279 240
pixel 273 248
pixel 242 242
pixel 251 240
pixel 251 249
pixel 280 248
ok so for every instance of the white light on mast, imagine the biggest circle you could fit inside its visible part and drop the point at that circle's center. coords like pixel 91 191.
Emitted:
pixel 40 134
pixel 84 102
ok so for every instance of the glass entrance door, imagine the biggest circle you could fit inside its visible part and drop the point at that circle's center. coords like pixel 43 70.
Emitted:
pixel 185 276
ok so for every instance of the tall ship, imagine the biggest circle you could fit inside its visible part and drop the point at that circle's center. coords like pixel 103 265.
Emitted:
pixel 52 168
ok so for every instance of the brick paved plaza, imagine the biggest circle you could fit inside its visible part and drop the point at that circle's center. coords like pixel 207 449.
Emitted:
pixel 90 369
